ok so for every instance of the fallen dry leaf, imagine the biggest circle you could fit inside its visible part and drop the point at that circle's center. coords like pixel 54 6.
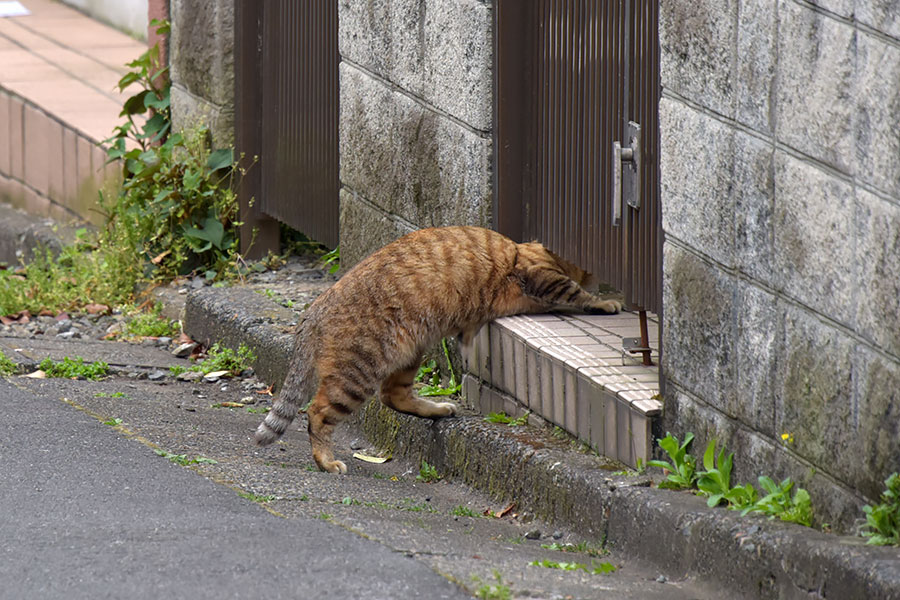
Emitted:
pixel 232 404
pixel 504 512
pixel 158 258
pixel 267 391
pixel 371 459
pixel 36 375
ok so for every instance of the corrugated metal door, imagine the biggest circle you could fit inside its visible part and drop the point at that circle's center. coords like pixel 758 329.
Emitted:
pixel 573 78
pixel 292 123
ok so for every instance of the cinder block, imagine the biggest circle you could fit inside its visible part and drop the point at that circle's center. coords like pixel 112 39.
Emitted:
pixel 878 271
pixel 699 206
pixel 814 210
pixel 816 97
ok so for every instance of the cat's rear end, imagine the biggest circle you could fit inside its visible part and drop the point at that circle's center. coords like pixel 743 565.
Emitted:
pixel 368 332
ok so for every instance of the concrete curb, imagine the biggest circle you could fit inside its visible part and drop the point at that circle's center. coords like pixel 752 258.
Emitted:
pixel 755 557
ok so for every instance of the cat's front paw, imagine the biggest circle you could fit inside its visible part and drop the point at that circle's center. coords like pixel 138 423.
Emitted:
pixel 606 307
pixel 444 409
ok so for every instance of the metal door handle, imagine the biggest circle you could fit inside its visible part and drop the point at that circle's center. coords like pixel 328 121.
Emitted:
pixel 632 156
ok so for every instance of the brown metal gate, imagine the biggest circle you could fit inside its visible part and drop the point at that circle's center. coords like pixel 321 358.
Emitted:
pixel 573 78
pixel 287 110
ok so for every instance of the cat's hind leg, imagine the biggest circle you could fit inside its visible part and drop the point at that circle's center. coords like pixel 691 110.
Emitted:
pixel 397 393
pixel 334 401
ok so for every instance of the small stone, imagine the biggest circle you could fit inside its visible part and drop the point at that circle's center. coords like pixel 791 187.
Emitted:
pixel 214 376
pixel 557 535
pixel 248 372
pixel 156 375
pixel 356 444
pixel 184 349
pixel 190 376
pixel 64 325
pixel 163 341
pixel 69 335
pixel 662 579
pixel 534 534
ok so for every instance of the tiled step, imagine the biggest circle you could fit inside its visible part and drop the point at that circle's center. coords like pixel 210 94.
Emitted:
pixel 572 371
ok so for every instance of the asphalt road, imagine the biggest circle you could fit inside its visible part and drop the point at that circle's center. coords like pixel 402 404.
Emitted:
pixel 89 513
pixel 88 509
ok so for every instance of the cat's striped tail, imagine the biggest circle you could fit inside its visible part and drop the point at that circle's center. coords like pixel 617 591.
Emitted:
pixel 296 390
pixel 276 422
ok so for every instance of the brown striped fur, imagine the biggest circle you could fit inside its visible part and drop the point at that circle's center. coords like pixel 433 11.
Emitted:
pixel 367 333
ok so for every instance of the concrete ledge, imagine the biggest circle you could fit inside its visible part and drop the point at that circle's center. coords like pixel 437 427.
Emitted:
pixel 755 557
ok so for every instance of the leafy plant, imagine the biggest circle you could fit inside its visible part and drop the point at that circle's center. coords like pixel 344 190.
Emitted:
pixel 332 260
pixel 434 387
pixel 428 473
pixel 682 469
pixel 778 502
pixel 715 480
pixel 73 368
pixel 883 519
pixel 177 205
pixel 220 358
pixel 7 366
pixel 112 422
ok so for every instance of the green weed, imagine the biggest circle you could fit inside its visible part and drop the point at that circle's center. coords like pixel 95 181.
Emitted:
pixel 430 373
pixel 778 502
pixel 74 368
pixel 7 366
pixel 682 469
pixel 492 591
pixel 883 519
pixel 219 358
pixel 428 473
pixel 463 511
pixel 502 417
pixel 256 498
pixel 112 422
pixel 332 260
pixel 151 324
pixel 603 568
pixel 183 460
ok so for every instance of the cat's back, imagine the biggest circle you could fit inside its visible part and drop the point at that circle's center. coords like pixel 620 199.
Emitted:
pixel 436 270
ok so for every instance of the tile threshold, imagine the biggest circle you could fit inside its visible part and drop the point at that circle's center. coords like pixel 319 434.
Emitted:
pixel 570 370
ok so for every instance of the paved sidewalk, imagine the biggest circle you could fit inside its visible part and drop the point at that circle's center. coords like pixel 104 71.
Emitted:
pixel 68 64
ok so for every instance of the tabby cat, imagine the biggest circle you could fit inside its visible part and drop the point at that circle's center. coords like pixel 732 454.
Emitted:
pixel 367 333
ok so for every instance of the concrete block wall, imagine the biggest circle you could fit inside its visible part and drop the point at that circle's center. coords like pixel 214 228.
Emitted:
pixel 415 122
pixel 780 180
pixel 201 62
